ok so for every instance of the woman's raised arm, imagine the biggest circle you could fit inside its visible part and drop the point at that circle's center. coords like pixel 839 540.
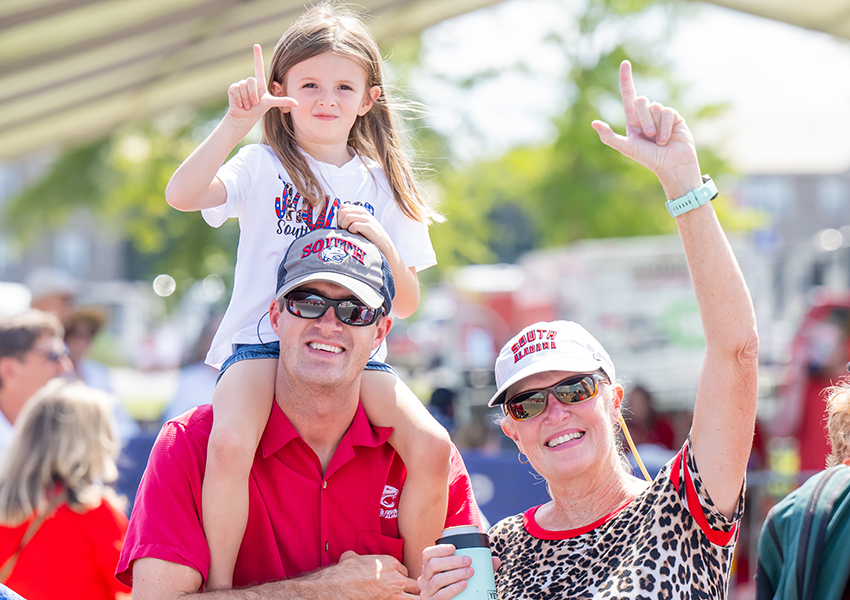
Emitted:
pixel 725 409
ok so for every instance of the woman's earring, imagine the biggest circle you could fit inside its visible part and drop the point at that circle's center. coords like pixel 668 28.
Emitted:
pixel 519 458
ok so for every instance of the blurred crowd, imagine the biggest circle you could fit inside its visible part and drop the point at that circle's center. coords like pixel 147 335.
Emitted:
pixel 52 338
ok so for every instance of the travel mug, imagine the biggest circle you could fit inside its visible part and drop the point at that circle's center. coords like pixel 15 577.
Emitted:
pixel 469 541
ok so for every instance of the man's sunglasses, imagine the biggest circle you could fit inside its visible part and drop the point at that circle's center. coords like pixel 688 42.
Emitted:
pixel 310 305
pixel 51 355
pixel 572 390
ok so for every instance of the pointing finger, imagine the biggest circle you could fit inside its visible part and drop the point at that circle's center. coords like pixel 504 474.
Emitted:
pixel 627 91
pixel 259 69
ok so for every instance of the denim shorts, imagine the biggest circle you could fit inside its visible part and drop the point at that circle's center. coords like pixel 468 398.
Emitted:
pixel 272 350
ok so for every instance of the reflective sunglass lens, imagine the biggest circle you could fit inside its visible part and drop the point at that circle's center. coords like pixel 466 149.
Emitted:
pixel 570 391
pixel 525 409
pixel 313 306
pixel 310 307
pixel 575 392
pixel 351 313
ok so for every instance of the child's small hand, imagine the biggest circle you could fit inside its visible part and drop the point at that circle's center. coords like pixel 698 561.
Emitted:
pixel 249 99
pixel 357 219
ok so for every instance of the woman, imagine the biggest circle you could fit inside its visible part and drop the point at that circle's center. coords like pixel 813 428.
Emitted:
pixel 61 529
pixel 605 533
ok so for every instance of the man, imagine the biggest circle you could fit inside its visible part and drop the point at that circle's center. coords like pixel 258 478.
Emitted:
pixel 53 290
pixel 324 483
pixel 31 354
pixel 803 548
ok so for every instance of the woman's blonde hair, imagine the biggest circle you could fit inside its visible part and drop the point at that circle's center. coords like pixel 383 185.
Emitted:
pixel 838 422
pixel 336 29
pixel 65 439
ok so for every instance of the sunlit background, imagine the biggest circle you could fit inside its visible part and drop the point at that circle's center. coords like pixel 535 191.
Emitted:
pixel 542 221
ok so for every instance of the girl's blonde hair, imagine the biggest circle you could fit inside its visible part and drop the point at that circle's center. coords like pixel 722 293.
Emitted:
pixel 838 422
pixel 65 438
pixel 336 29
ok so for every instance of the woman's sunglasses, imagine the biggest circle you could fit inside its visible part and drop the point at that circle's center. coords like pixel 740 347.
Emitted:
pixel 572 390
pixel 310 305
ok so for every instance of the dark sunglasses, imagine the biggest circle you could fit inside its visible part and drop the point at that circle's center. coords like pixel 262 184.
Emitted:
pixel 51 355
pixel 572 390
pixel 310 305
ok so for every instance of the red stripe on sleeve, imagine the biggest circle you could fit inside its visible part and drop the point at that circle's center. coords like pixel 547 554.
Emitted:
pixel 718 538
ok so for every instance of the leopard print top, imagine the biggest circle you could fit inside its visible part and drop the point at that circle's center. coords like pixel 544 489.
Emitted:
pixel 669 542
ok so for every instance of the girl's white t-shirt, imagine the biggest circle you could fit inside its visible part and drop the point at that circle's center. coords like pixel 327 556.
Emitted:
pixel 272 216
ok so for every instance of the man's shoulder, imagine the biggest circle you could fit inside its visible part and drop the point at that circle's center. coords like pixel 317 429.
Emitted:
pixel 193 425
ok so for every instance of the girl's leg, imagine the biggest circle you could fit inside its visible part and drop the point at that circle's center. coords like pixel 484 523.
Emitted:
pixel 241 404
pixel 425 447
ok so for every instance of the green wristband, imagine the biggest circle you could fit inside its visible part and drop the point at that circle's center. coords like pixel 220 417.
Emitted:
pixel 693 199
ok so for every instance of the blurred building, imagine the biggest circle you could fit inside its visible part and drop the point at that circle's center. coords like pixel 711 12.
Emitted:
pixel 806 232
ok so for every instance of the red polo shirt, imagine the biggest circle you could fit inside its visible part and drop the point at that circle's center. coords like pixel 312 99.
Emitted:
pixel 299 518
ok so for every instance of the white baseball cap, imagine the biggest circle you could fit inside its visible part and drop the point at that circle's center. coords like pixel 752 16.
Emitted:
pixel 549 346
pixel 49 281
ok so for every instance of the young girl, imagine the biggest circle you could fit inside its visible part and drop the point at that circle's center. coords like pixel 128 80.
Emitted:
pixel 330 156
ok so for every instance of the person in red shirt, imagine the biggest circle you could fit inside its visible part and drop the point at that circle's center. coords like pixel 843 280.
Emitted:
pixel 61 529
pixel 325 484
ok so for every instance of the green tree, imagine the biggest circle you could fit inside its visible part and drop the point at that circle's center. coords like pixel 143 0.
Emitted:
pixel 120 180
pixel 575 187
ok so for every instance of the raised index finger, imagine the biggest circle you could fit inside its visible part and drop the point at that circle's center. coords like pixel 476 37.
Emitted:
pixel 627 91
pixel 259 70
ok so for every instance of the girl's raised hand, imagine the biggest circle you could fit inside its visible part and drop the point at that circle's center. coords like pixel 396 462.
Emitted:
pixel 249 99
pixel 357 219
pixel 656 136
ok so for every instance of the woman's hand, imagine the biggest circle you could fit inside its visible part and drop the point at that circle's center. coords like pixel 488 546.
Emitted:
pixel 657 137
pixel 249 99
pixel 444 574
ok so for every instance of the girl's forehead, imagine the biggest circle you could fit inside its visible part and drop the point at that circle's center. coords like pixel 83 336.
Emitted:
pixel 330 64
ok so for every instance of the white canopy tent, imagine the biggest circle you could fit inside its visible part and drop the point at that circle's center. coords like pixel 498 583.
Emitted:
pixel 72 70
pixel 828 16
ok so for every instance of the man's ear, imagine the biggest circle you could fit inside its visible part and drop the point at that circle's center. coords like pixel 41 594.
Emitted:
pixel 276 89
pixel 274 316
pixel 369 100
pixel 384 325
pixel 8 367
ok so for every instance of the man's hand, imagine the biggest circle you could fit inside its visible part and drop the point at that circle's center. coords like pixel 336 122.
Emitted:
pixel 371 577
pixel 355 577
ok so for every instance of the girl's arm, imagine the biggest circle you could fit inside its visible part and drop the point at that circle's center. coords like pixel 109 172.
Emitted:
pixel 357 219
pixel 194 185
pixel 425 447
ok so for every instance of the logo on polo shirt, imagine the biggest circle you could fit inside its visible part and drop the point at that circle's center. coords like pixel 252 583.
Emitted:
pixel 389 503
